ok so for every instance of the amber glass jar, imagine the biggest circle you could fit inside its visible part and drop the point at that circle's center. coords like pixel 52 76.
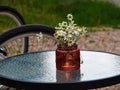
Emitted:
pixel 67 57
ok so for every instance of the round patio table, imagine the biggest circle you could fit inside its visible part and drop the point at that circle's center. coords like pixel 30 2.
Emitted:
pixel 37 70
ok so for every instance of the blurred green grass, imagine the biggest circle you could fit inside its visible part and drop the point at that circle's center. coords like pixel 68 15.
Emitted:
pixel 89 13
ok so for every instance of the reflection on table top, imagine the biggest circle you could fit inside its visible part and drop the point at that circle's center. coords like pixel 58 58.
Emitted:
pixel 98 69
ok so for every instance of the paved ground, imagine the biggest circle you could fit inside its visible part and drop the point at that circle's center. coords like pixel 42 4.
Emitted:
pixel 117 2
pixel 107 41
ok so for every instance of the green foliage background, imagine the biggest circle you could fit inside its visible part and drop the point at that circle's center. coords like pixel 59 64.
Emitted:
pixel 90 13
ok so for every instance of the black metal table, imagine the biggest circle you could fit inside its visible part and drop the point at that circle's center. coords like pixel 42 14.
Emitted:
pixel 38 71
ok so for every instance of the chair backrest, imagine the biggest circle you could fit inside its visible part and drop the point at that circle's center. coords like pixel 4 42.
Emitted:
pixel 11 40
pixel 11 18
pixel 11 13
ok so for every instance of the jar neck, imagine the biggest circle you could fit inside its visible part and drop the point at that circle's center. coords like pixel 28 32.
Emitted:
pixel 62 47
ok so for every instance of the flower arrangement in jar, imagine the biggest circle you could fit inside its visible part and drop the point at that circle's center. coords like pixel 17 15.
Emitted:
pixel 67 54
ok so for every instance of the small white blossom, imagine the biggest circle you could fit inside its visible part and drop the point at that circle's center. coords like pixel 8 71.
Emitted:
pixel 76 33
pixel 39 36
pixel 79 29
pixel 70 35
pixel 84 29
pixel 64 24
pixel 60 24
pixel 61 33
pixel 69 16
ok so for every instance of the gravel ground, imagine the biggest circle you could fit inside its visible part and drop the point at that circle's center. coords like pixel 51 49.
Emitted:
pixel 117 2
pixel 107 41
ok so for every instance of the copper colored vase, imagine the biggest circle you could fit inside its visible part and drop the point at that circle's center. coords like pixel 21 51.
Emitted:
pixel 67 57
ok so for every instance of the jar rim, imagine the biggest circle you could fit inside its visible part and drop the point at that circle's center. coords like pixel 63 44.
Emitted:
pixel 63 47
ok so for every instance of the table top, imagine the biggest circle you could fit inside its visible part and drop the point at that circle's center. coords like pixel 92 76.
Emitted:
pixel 38 69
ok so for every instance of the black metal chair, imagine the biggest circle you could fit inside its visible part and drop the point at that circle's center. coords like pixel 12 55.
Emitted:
pixel 11 18
pixel 12 39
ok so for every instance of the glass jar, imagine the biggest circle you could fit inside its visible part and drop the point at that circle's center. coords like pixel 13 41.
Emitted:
pixel 67 57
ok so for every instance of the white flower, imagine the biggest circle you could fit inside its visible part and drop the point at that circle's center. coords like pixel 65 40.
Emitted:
pixel 39 36
pixel 60 24
pixel 61 33
pixel 70 35
pixel 79 29
pixel 69 16
pixel 76 33
pixel 64 24
pixel 84 29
